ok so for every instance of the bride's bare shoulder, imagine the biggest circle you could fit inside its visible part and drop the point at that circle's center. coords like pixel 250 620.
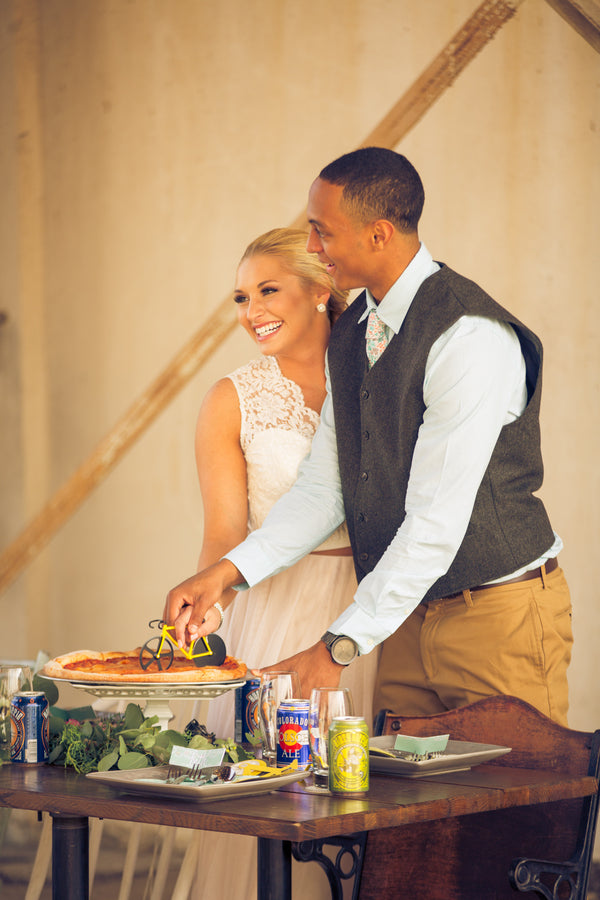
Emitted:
pixel 220 405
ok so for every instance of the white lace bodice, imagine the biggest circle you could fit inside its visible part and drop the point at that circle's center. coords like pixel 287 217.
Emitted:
pixel 276 433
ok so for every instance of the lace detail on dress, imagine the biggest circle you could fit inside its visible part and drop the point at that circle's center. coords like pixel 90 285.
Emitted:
pixel 277 429
pixel 268 400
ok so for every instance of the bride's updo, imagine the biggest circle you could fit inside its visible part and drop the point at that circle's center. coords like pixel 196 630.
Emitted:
pixel 289 246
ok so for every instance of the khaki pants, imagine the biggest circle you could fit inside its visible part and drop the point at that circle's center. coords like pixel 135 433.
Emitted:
pixel 514 639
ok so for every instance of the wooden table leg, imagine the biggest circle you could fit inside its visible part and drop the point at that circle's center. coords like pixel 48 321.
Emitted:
pixel 70 858
pixel 274 869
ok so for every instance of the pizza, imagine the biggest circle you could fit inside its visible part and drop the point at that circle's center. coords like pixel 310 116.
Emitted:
pixel 119 666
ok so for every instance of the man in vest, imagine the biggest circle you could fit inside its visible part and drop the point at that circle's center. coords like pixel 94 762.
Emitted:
pixel 429 446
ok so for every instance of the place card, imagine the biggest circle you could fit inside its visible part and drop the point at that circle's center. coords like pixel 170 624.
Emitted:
pixel 421 746
pixel 188 757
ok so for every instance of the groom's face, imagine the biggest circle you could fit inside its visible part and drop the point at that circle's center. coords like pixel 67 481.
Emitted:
pixel 341 244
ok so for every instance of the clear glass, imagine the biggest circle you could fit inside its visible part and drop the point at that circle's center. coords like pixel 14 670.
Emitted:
pixel 13 678
pixel 274 687
pixel 325 704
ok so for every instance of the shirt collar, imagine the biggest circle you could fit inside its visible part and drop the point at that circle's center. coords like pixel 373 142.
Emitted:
pixel 393 307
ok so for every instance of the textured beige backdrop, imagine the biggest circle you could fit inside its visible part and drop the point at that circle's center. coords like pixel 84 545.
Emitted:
pixel 143 143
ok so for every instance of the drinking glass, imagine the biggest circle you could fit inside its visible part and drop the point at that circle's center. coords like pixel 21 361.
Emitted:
pixel 13 678
pixel 325 704
pixel 274 687
pixel 18 676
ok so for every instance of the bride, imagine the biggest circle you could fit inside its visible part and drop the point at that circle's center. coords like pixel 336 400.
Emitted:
pixel 254 428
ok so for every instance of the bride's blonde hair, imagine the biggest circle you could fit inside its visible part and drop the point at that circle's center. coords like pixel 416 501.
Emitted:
pixel 289 245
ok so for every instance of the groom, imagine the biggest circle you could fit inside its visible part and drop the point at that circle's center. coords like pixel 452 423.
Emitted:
pixel 429 446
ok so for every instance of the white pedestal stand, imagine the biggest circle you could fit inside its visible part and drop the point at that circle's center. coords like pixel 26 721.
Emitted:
pixel 158 696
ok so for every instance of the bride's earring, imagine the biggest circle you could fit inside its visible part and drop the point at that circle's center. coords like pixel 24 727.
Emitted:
pixel 321 307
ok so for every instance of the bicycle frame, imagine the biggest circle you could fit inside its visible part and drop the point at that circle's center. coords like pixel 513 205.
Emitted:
pixel 189 654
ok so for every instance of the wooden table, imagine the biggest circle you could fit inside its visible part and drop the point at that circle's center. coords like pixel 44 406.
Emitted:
pixel 279 819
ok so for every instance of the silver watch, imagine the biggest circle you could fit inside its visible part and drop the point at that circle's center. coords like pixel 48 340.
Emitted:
pixel 343 649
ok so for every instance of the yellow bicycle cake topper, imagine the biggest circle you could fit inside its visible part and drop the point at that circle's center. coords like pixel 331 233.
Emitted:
pixel 160 649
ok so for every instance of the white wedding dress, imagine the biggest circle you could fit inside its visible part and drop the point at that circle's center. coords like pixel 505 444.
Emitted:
pixel 282 615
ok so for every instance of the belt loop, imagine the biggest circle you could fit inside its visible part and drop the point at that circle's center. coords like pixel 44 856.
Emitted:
pixel 467 597
pixel 543 575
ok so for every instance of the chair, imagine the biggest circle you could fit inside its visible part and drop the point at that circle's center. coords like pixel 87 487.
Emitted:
pixel 543 850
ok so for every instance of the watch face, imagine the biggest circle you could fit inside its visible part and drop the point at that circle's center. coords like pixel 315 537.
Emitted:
pixel 343 650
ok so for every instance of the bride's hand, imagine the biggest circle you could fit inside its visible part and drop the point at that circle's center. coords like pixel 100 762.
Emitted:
pixel 212 622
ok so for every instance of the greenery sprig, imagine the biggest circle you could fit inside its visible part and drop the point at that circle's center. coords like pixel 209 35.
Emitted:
pixel 127 741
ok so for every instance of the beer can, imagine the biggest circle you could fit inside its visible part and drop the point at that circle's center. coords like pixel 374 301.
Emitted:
pixel 348 756
pixel 292 732
pixel 246 711
pixel 30 727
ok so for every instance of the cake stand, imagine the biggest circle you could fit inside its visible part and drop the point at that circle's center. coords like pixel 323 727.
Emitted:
pixel 157 695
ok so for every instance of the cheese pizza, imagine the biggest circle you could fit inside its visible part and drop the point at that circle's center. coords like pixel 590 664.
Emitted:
pixel 117 666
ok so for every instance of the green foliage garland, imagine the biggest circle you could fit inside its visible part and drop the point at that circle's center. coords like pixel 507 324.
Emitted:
pixel 127 742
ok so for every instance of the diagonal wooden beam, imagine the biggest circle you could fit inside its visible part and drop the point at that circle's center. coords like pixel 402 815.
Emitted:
pixel 583 15
pixel 479 29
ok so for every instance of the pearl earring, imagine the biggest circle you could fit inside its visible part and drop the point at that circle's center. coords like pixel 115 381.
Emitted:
pixel 321 307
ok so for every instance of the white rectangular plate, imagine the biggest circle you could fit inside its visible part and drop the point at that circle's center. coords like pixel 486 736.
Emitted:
pixel 152 781
pixel 457 757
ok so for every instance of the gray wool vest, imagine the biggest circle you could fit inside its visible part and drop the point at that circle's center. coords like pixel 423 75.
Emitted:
pixel 378 414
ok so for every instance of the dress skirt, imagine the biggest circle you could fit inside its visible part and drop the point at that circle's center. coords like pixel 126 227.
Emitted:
pixel 279 617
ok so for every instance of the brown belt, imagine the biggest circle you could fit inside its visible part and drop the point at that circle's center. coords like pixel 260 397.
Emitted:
pixel 549 566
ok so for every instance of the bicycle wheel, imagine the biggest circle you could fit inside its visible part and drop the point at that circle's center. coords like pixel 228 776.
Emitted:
pixel 150 657
pixel 208 651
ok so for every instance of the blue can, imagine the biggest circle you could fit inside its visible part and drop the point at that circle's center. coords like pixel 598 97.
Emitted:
pixel 292 732
pixel 30 727
pixel 247 724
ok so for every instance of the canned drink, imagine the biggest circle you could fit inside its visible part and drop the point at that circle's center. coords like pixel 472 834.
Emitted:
pixel 30 727
pixel 292 732
pixel 349 756
pixel 246 711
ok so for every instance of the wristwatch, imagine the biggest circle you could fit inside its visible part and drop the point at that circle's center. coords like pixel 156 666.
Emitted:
pixel 343 649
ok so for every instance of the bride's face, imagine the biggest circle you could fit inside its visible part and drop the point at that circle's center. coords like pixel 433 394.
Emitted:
pixel 275 308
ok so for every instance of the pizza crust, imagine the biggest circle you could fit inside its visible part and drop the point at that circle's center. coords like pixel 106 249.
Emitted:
pixel 65 668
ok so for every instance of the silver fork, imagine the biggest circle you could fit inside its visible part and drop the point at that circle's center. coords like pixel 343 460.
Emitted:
pixel 173 772
pixel 199 774
pixel 194 774
pixel 177 776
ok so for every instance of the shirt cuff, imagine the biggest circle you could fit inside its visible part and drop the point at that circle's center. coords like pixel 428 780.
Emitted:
pixel 253 565
pixel 361 627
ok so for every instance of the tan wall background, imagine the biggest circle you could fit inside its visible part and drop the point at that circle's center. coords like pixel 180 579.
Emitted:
pixel 143 143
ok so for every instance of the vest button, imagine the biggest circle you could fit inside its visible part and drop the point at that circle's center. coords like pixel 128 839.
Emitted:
pixel 362 517
pixel 364 476
pixel 363 557
pixel 366 435
pixel 364 394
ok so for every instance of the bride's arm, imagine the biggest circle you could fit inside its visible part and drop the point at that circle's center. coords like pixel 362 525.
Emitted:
pixel 222 475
